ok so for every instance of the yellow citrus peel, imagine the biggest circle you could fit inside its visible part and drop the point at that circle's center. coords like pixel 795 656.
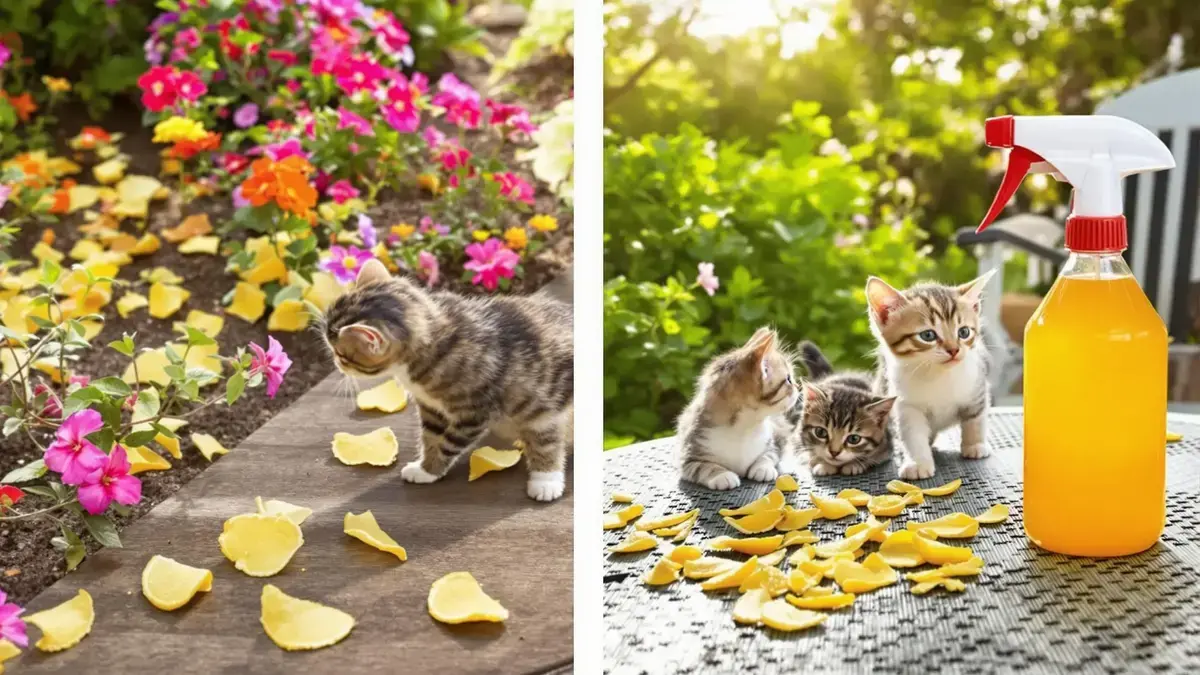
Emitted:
pixel 748 545
pixel 772 500
pixel 260 545
pixel 952 526
pixel 364 528
pixel 748 608
pixel 666 571
pixel 900 550
pixel 208 446
pixel 636 542
pixel 64 625
pixel 169 584
pixel 388 397
pixel 756 523
pixel 855 496
pixel 488 459
pixel 377 448
pixel 667 521
pixel 458 598
pixel 618 519
pixel 996 514
pixel 833 508
pixel 786 483
pixel 781 616
pixel 295 624
pixel 275 507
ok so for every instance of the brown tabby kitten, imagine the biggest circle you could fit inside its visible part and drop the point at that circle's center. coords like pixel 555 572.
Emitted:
pixel 734 425
pixel 933 359
pixel 471 363
pixel 843 427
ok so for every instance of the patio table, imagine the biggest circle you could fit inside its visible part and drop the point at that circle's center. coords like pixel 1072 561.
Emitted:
pixel 1028 611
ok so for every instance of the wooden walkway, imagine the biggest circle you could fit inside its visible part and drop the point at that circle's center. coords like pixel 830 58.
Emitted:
pixel 518 549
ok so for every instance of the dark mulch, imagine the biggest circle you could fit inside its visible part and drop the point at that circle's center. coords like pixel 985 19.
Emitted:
pixel 28 563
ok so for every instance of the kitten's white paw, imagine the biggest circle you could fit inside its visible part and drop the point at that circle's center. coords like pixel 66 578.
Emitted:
pixel 976 451
pixel 763 472
pixel 413 473
pixel 824 470
pixel 545 486
pixel 853 469
pixel 788 465
pixel 914 470
pixel 724 481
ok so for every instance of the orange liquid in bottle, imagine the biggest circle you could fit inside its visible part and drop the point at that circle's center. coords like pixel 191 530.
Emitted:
pixel 1095 414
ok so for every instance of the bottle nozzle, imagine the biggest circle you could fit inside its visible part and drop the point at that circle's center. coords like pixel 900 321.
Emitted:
pixel 998 132
pixel 1019 161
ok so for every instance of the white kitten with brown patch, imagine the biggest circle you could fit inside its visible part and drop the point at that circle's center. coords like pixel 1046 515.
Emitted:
pixel 933 359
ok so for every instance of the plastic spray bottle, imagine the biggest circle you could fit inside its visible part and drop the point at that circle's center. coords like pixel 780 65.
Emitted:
pixel 1095 378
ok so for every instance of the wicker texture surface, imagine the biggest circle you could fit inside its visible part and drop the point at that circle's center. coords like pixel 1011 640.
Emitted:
pixel 1028 611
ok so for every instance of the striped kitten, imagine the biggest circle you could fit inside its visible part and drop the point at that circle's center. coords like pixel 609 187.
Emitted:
pixel 843 427
pixel 734 427
pixel 471 363
pixel 933 359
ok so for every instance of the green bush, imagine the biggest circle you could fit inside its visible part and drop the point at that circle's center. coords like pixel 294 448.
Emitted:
pixel 793 233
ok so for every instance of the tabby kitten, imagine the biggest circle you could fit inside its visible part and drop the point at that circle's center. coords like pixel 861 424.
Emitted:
pixel 934 360
pixel 733 427
pixel 471 364
pixel 843 427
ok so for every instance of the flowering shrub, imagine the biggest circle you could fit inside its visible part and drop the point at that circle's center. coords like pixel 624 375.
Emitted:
pixel 101 427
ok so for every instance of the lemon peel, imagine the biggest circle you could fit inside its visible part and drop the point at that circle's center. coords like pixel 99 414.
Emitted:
pixel 169 584
pixel 200 245
pixel 756 523
pixel 833 508
pixel 364 528
pixel 947 583
pixel 296 624
pixel 748 608
pixel 901 488
pixel 248 302
pixel 773 559
pixel 876 529
pixel 786 483
pixel 732 578
pixel 708 567
pixel 144 459
pixel 842 546
pixel 1173 437
pixel 682 554
pixel 289 316
pixel 621 518
pixel 131 302
pixel 665 571
pixel 855 496
pixel 828 600
pixel 667 521
pixel 773 579
pixel 951 526
pixel 189 228
pixel 682 529
pixel 166 299
pixel 939 553
pixel 208 446
pixel 772 500
pixel 637 542
pixel 388 397
pixel 779 615
pixel 275 507
pixel 943 490
pixel 488 459
pixel 377 448
pixel 458 598
pixel 748 545
pixel 171 445
pixel 967 568
pixel 872 573
pixel 887 505
pixel 260 545
pixel 64 625
pixel 209 324
pixel 996 514
pixel 795 519
pixel 621 497
pixel 900 550
pixel 7 651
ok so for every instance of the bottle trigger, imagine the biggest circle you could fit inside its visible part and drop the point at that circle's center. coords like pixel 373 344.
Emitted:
pixel 1019 161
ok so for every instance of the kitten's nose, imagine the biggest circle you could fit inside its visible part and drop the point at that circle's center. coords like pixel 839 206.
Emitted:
pixel 952 351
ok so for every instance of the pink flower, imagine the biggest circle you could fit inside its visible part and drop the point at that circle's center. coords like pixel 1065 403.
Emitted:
pixel 402 112
pixel 71 454
pixel 512 116
pixel 433 136
pixel 341 191
pixel 706 279
pixel 348 119
pixel 110 483
pixel 81 380
pixel 158 88
pixel 239 200
pixel 514 187
pixel 361 73
pixel 246 116
pixel 234 163
pixel 491 261
pixel 460 101
pixel 281 151
pixel 190 86
pixel 12 628
pixel 427 226
pixel 283 56
pixel 344 263
pixel 5 54
pixel 5 191
pixel 189 38
pixel 429 267
pixel 272 363
pixel 452 155
pixel 390 34
pixel 52 408
pixel 366 231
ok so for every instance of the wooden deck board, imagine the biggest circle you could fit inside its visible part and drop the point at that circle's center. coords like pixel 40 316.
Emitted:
pixel 518 549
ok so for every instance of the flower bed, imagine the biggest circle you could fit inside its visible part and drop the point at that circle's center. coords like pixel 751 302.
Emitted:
pixel 284 144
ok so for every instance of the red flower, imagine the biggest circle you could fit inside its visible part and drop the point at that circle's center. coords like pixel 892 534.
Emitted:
pixel 283 56
pixel 190 86
pixel 234 163
pixel 9 496
pixel 158 88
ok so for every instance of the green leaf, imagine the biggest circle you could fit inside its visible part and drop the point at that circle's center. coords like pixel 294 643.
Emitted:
pixel 80 399
pixel 12 425
pixel 100 527
pixel 123 346
pixel 23 474
pixel 139 438
pixel 196 338
pixel 234 387
pixel 163 430
pixel 74 551
pixel 147 405
pixel 50 272
pixel 112 386
pixel 41 491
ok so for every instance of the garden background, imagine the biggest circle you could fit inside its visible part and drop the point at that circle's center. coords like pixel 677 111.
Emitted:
pixel 799 147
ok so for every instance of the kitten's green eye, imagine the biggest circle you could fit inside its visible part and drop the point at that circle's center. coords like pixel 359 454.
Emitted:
pixel 853 439
pixel 928 336
pixel 820 433
pixel 964 332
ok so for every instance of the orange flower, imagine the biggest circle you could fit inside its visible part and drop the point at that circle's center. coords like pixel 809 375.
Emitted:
pixel 23 104
pixel 188 149
pixel 60 200
pixel 90 137
pixel 285 183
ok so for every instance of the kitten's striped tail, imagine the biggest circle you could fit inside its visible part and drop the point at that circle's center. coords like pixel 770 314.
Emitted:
pixel 814 361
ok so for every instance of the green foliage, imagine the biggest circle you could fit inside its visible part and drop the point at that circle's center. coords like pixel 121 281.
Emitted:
pixel 789 234
pixel 436 27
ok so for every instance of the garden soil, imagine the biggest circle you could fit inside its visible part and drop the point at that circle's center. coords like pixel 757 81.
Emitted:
pixel 28 563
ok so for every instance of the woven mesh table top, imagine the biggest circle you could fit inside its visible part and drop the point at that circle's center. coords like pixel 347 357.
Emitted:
pixel 1029 610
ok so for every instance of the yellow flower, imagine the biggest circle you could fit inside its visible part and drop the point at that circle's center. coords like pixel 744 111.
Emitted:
pixel 403 230
pixel 430 182
pixel 516 238
pixel 543 223
pixel 481 235
pixel 56 84
pixel 175 129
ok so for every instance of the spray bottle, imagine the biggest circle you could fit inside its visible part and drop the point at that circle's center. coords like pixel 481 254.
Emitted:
pixel 1095 378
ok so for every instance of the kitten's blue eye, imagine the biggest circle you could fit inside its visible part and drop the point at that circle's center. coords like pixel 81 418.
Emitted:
pixel 964 332
pixel 928 335
pixel 853 439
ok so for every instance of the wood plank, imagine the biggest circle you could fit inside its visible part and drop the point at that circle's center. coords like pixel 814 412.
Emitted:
pixel 519 550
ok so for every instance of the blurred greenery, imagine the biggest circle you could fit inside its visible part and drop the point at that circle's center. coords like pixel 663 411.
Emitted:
pixel 801 169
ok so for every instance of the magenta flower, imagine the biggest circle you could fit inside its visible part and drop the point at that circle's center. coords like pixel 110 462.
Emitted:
pixel 110 483
pixel 491 261
pixel 189 38
pixel 239 200
pixel 52 408
pixel 452 155
pixel 189 86
pixel 427 226
pixel 433 136
pixel 429 267
pixel 706 279
pixel 390 34
pixel 361 73
pixel 401 112
pixel 460 101
pixel 81 380
pixel 283 56
pixel 281 151
pixel 366 231
pixel 5 54
pixel 71 454
pixel 344 263
pixel 342 191
pixel 514 187
pixel 350 120
pixel 12 628
pixel 272 363
pixel 5 191
pixel 511 116
pixel 246 116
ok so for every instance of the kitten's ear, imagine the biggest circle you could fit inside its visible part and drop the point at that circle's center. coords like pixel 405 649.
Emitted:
pixel 972 291
pixel 761 344
pixel 372 272
pixel 880 407
pixel 882 299
pixel 813 393
pixel 363 338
